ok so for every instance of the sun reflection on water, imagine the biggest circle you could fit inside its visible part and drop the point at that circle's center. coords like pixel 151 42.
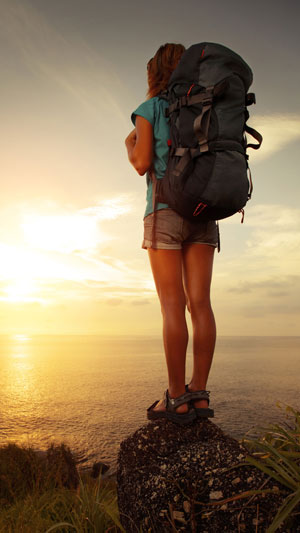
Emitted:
pixel 20 337
pixel 19 355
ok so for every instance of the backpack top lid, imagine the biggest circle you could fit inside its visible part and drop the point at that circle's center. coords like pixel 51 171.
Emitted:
pixel 207 64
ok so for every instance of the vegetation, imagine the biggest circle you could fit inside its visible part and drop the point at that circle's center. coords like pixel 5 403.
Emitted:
pixel 44 493
pixel 275 450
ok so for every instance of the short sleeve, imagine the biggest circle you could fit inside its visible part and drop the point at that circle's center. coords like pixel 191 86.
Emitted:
pixel 145 110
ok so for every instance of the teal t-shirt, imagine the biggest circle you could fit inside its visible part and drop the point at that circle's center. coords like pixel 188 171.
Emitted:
pixel 153 110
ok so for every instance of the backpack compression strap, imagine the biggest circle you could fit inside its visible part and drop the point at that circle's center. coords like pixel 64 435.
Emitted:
pixel 187 100
pixel 205 97
pixel 250 99
pixel 201 123
pixel 256 136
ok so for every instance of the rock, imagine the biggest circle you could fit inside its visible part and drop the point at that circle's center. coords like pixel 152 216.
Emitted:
pixel 216 495
pixel 182 477
pixel 98 468
pixel 186 506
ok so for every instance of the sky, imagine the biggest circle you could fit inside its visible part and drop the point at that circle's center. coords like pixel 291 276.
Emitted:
pixel 71 206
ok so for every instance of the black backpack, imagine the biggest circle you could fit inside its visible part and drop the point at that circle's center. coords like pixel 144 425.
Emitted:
pixel 207 171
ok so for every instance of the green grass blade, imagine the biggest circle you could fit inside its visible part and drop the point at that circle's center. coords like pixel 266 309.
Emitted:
pixel 290 467
pixel 52 528
pixel 270 472
pixel 285 510
pixel 273 451
pixel 276 468
pixel 115 519
pixel 289 436
pixel 283 471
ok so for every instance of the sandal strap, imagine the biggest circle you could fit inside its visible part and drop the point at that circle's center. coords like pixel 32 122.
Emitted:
pixel 171 404
pixel 197 395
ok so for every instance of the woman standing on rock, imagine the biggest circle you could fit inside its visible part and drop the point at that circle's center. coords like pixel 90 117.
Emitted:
pixel 181 256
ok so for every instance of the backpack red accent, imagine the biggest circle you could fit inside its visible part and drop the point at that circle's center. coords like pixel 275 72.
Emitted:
pixel 188 93
pixel 200 207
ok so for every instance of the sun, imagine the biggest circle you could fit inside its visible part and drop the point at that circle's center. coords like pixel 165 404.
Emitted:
pixel 47 253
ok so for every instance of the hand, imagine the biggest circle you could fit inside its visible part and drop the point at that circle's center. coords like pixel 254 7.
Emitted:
pixel 131 138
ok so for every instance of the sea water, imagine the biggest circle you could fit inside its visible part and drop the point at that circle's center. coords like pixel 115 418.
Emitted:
pixel 91 392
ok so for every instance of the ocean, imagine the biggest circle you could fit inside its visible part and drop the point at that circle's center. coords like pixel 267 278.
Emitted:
pixel 92 391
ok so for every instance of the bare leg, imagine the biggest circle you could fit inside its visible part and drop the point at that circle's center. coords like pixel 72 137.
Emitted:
pixel 167 272
pixel 197 269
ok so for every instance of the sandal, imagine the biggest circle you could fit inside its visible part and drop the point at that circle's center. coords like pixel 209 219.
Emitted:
pixel 170 413
pixel 204 412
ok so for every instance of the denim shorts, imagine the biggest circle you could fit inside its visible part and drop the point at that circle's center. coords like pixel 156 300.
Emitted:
pixel 173 231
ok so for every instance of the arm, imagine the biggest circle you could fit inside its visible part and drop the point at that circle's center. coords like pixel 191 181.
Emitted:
pixel 139 144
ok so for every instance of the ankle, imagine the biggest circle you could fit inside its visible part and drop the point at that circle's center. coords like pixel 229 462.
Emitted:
pixel 194 386
pixel 176 392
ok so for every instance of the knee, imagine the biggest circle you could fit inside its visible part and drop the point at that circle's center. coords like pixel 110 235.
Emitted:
pixel 199 305
pixel 172 305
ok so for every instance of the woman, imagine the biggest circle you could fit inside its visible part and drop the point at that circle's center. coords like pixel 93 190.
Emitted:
pixel 181 256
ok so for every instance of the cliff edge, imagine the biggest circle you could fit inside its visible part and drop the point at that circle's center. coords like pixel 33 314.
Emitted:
pixel 190 478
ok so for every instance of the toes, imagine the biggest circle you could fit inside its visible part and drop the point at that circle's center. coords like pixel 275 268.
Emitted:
pixel 160 406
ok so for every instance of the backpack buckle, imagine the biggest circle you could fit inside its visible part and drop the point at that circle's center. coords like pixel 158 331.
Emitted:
pixel 183 100
pixel 250 99
pixel 207 101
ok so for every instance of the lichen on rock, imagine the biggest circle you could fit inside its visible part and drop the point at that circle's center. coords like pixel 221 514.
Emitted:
pixel 184 477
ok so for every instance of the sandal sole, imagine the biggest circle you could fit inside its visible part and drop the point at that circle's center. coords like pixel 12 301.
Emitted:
pixel 203 412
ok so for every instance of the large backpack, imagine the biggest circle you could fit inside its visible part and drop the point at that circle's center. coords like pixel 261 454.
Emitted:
pixel 207 176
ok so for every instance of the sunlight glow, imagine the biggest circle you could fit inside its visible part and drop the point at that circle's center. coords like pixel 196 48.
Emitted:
pixel 61 233
pixel 72 231
pixel 20 291
pixel 20 337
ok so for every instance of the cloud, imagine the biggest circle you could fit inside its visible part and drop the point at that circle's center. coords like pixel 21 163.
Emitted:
pixel 266 309
pixel 70 230
pixel 114 301
pixel 141 301
pixel 260 278
pixel 272 287
pixel 277 130
pixel 280 216
pixel 275 236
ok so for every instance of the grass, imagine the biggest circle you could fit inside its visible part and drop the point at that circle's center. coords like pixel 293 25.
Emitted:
pixel 46 493
pixel 275 450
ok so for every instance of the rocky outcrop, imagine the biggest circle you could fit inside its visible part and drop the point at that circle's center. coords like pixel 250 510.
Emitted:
pixel 190 478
